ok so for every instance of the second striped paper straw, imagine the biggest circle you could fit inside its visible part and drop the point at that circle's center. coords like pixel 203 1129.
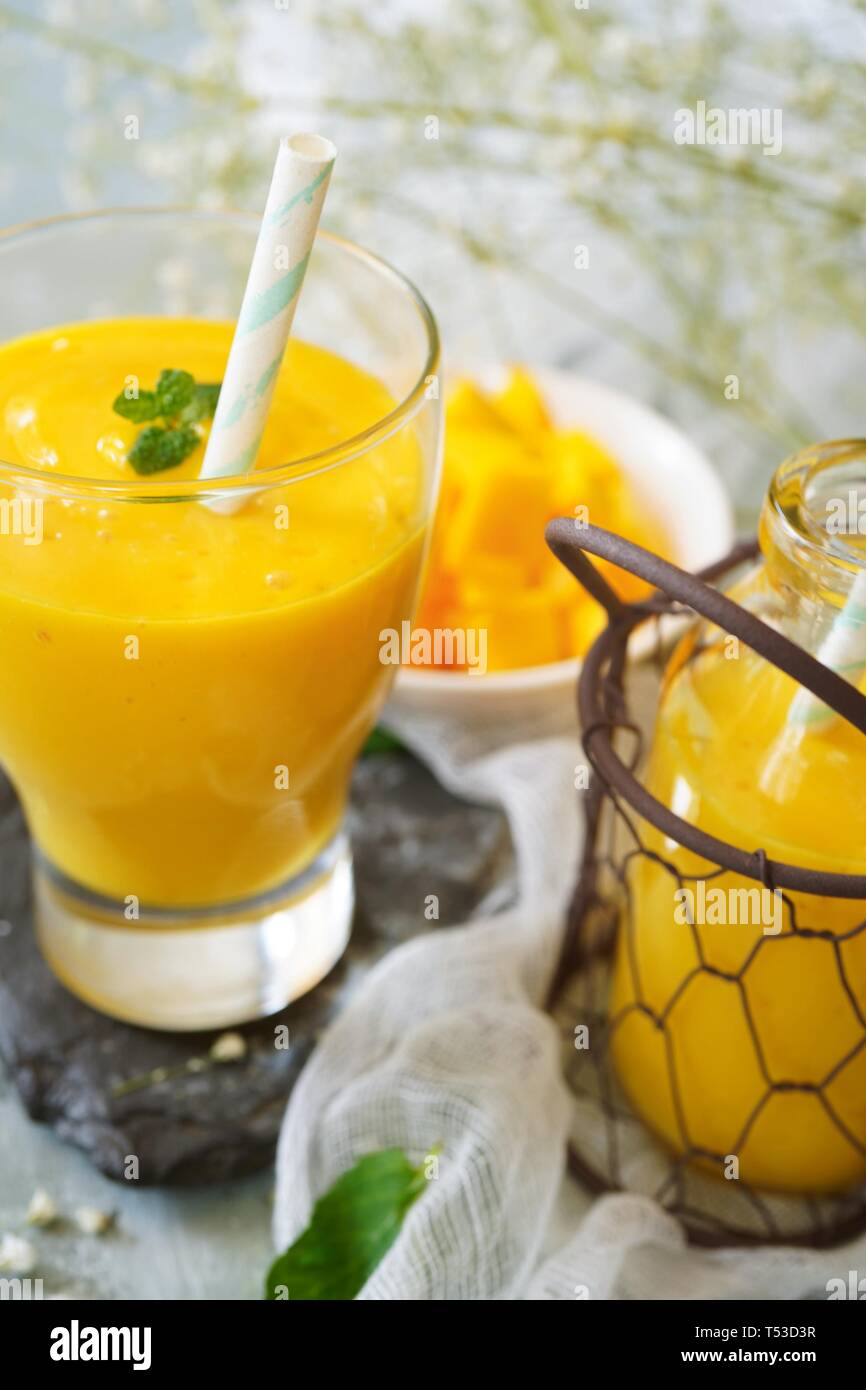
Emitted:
pixel 298 187
pixel 844 651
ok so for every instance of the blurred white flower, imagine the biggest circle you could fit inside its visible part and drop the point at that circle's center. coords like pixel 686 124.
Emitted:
pixel 91 1221
pixel 228 1047
pixel 42 1210
pixel 616 43
pixel 16 1254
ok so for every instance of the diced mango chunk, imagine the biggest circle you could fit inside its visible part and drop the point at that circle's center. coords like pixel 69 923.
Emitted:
pixel 507 471
pixel 470 408
pixel 521 405
pixel 501 513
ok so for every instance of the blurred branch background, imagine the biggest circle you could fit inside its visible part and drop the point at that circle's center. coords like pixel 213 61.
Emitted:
pixel 480 145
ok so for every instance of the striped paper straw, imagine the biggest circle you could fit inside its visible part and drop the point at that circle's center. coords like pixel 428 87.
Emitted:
pixel 298 187
pixel 844 651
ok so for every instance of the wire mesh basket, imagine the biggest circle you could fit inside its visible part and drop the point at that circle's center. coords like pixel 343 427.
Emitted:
pixel 611 1147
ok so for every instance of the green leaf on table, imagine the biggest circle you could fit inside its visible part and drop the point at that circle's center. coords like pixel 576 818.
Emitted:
pixel 137 408
pixel 158 447
pixel 174 391
pixel 380 741
pixel 351 1229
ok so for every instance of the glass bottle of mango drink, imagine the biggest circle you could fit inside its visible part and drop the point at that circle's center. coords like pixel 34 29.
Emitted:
pixel 189 669
pixel 740 1018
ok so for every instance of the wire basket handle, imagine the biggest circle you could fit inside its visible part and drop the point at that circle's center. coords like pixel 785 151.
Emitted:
pixel 569 541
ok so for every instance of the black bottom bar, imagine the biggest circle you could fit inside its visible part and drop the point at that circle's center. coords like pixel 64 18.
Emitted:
pixel 252 1340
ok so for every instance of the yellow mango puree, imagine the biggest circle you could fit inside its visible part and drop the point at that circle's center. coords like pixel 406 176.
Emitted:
pixel 721 759
pixel 184 690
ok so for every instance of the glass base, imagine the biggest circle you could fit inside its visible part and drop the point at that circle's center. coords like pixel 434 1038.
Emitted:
pixel 197 968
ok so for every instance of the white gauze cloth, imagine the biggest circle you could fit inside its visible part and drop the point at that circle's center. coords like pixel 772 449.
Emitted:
pixel 445 1042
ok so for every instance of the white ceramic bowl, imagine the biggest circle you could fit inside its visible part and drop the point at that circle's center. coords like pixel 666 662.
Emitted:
pixel 663 466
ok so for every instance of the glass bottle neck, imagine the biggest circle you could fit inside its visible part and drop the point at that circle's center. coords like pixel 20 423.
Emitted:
pixel 813 528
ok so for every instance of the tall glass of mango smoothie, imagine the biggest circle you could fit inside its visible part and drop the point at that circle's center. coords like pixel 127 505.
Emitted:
pixel 739 1014
pixel 189 668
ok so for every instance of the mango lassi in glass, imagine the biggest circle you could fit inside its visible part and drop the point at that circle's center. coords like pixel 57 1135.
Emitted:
pixel 190 668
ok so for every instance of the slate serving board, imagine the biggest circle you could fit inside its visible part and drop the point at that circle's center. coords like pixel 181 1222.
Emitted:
pixel 92 1078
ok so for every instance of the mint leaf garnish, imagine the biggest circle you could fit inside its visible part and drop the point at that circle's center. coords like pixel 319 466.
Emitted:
pixel 180 403
pixel 157 448
pixel 203 403
pixel 352 1227
pixel 137 408
pixel 174 390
